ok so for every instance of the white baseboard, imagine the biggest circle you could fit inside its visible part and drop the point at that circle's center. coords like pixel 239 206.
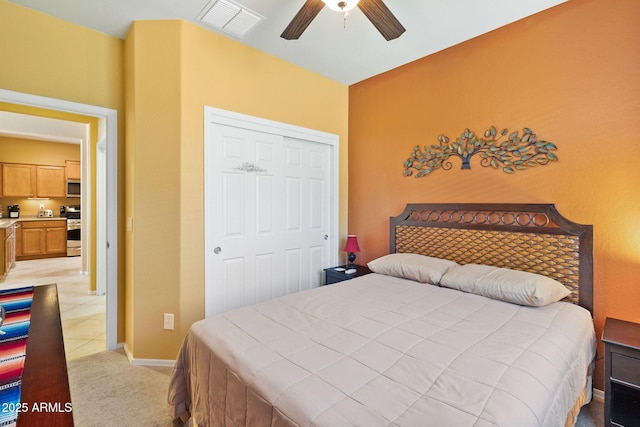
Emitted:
pixel 147 362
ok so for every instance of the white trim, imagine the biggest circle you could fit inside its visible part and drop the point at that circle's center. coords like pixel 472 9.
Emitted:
pixel 101 212
pixel 243 121
pixel 85 196
pixel 108 127
pixel 148 362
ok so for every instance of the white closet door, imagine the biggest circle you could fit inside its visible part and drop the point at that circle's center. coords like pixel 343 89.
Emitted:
pixel 267 216
pixel 306 212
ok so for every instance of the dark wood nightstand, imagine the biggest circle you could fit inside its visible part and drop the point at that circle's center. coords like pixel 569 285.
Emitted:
pixel 335 275
pixel 621 373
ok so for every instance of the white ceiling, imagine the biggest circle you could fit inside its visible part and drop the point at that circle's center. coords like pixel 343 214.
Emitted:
pixel 41 128
pixel 347 55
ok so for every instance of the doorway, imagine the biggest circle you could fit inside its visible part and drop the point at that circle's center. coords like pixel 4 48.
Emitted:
pixel 107 192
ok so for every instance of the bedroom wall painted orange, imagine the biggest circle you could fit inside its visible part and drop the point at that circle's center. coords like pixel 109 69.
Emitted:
pixel 571 74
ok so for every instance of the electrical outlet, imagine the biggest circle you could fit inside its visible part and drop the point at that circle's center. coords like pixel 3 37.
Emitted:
pixel 168 321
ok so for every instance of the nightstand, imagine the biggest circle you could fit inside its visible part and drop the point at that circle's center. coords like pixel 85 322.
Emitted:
pixel 334 276
pixel 621 373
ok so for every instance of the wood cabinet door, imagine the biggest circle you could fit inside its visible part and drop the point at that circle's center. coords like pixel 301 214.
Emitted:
pixel 56 240
pixel 34 241
pixel 18 180
pixel 50 181
pixel 73 169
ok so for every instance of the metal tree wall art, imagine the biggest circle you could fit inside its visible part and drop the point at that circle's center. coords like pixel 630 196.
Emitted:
pixel 512 153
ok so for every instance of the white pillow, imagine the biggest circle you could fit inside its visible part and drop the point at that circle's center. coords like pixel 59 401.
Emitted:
pixel 518 287
pixel 415 267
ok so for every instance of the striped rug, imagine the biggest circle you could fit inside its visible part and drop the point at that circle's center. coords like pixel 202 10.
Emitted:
pixel 13 344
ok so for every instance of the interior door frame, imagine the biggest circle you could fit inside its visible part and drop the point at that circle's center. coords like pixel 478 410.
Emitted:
pixel 107 130
pixel 101 212
pixel 219 116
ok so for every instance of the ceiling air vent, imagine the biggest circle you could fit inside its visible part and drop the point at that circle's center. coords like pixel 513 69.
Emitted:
pixel 229 17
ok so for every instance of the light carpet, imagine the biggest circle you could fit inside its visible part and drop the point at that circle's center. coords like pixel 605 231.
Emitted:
pixel 106 390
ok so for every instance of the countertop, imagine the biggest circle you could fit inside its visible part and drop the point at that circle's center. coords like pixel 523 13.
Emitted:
pixel 7 222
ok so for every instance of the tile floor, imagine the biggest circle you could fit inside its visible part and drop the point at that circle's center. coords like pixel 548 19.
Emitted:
pixel 83 315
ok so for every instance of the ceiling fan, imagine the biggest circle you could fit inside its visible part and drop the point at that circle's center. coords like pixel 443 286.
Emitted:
pixel 375 10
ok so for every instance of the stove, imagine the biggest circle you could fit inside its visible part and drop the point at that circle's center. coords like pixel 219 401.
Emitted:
pixel 74 229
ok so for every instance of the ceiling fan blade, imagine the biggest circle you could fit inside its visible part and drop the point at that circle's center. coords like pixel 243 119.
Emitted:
pixel 303 18
pixel 382 18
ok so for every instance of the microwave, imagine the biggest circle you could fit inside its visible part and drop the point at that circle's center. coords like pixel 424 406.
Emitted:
pixel 73 188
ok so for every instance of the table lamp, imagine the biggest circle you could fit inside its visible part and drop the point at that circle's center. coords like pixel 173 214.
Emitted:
pixel 351 246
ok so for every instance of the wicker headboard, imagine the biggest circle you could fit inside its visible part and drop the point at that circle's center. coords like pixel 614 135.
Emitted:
pixel 528 237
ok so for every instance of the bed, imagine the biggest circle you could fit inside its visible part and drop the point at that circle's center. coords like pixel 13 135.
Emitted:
pixel 445 331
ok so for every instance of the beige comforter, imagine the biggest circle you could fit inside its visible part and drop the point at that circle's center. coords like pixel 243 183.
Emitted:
pixel 377 351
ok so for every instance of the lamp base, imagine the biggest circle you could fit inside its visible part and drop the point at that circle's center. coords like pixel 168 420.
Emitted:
pixel 351 257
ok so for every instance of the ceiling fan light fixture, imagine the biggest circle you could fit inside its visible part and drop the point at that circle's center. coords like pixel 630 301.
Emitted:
pixel 375 11
pixel 341 5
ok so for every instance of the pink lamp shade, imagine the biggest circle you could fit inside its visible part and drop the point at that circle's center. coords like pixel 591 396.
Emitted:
pixel 351 246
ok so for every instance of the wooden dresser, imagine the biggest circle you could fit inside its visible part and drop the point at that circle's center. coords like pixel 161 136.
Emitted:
pixel 45 385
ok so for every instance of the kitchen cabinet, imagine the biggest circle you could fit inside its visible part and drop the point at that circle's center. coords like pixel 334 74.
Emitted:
pixel 50 181
pixel 22 180
pixel 73 169
pixel 9 250
pixel 18 180
pixel 33 242
pixel 56 239
pixel 43 239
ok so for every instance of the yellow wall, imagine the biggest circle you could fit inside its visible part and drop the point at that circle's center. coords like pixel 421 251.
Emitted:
pixel 19 150
pixel 49 57
pixel 153 156
pixel 569 73
pixel 167 69
pixel 173 70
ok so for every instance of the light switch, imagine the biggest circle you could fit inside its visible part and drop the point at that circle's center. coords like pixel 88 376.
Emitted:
pixel 168 321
